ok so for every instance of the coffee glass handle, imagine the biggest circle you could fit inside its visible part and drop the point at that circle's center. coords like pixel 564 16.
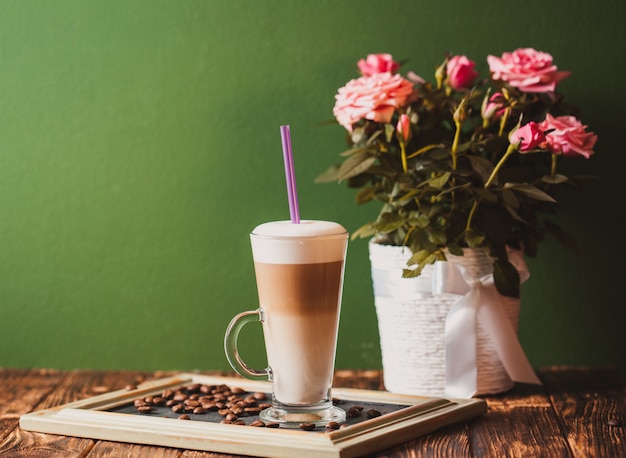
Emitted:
pixel 230 345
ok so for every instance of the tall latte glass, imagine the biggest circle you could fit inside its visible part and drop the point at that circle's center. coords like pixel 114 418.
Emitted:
pixel 299 273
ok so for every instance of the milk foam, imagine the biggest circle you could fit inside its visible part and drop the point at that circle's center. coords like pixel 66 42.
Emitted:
pixel 282 242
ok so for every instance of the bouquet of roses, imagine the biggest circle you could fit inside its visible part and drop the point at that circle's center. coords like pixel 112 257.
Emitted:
pixel 463 161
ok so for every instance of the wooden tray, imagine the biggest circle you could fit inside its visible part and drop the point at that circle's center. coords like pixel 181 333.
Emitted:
pixel 406 418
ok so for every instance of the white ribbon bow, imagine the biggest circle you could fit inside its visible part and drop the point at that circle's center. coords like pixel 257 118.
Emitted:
pixel 479 300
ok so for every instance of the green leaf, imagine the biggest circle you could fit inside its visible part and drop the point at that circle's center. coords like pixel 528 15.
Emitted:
pixel 473 238
pixel 352 151
pixel 486 195
pixel 365 231
pixel 439 181
pixel 531 191
pixel 389 131
pixel 437 237
pixel 513 212
pixel 355 165
pixel 420 220
pixel 412 273
pixel 510 198
pixel 455 250
pixel 481 166
pixel 418 258
pixel 556 179
pixel 388 222
pixel 331 175
pixel 506 278
pixel 366 194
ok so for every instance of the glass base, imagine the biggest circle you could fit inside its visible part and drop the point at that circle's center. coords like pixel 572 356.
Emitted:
pixel 295 417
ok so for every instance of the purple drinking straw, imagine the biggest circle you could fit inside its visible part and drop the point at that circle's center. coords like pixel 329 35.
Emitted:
pixel 290 175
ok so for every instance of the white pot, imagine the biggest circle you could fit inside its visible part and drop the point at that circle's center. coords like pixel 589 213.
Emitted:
pixel 411 323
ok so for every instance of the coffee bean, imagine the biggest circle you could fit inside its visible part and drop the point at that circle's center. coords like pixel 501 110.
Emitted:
pixel 180 397
pixel 257 423
pixel 307 426
pixel 184 417
pixel 199 410
pixel 353 412
pixel 193 387
pixel 158 401
pixel 337 402
pixel 167 394
pixel 373 413
pixel 205 389
pixel 130 387
pixel 223 412
pixel 239 422
pixel 259 396
pixel 252 410
pixel 272 425
pixel 264 406
pixel 237 390
pixel 178 408
pixel 144 409
pixel 140 402
pixel 192 402
pixel 231 417
pixel 331 425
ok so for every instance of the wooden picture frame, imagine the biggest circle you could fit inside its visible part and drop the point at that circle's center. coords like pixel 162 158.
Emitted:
pixel 93 418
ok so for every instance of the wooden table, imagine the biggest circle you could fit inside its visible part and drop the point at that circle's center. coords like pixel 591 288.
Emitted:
pixel 577 412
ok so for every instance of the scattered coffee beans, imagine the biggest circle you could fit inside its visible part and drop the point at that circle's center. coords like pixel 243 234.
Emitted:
pixel 233 404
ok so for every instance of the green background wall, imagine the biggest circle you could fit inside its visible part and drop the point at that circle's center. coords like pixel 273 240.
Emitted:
pixel 139 145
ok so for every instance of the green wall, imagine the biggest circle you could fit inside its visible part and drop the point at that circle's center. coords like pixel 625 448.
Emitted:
pixel 139 145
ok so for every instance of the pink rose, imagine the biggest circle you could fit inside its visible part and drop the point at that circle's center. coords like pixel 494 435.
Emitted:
pixel 493 107
pixel 461 73
pixel 377 63
pixel 526 69
pixel 529 136
pixel 568 136
pixel 404 127
pixel 372 97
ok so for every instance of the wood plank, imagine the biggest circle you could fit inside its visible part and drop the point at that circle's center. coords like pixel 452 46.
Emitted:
pixel 107 449
pixel 69 387
pixel 591 408
pixel 22 390
pixel 521 422
pixel 199 454
pixel 452 441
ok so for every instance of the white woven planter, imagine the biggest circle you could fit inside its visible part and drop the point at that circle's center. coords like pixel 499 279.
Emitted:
pixel 411 325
